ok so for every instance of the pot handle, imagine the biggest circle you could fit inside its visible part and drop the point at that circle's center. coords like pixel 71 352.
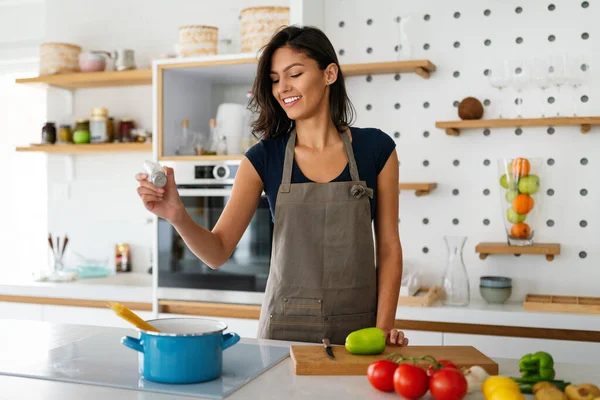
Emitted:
pixel 132 343
pixel 229 339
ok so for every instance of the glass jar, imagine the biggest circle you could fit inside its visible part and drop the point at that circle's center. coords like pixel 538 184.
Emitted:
pixel 110 130
pixel 82 125
pixel 99 125
pixel 65 135
pixel 49 133
pixel 126 126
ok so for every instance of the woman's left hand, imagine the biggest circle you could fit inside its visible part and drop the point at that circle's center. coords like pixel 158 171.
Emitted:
pixel 395 337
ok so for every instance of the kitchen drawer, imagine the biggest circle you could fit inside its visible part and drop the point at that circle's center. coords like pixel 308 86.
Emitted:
pixel 89 316
pixel 247 328
pixel 511 347
pixel 9 310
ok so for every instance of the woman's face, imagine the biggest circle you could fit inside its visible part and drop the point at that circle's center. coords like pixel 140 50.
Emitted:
pixel 299 86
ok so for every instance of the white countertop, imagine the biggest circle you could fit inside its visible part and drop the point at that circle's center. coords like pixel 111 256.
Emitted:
pixel 279 382
pixel 137 287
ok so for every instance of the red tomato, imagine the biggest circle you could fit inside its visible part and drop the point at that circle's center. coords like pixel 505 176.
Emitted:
pixel 448 384
pixel 410 381
pixel 441 364
pixel 381 375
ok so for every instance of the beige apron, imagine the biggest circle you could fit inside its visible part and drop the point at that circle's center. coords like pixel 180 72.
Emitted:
pixel 322 281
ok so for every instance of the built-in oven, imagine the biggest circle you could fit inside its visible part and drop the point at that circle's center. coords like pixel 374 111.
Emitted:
pixel 205 188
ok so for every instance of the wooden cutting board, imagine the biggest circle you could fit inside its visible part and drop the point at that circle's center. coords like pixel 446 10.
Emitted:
pixel 312 360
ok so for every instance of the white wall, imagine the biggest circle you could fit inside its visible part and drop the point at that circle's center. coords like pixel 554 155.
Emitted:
pixel 103 207
pixel 568 273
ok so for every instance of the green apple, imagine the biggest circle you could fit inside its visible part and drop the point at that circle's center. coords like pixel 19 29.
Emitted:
pixel 508 181
pixel 514 217
pixel 81 136
pixel 511 194
pixel 529 184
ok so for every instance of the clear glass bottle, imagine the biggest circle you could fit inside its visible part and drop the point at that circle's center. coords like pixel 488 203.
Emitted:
pixel 222 146
pixel 186 140
pixel 455 282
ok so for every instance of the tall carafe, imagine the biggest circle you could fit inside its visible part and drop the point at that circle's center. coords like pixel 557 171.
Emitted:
pixel 455 282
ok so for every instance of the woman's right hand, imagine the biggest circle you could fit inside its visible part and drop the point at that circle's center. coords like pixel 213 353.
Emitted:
pixel 163 202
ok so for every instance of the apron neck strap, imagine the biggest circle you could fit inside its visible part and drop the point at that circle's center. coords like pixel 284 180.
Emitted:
pixel 289 160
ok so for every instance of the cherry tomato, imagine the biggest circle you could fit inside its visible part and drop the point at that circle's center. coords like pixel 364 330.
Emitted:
pixel 410 381
pixel 381 375
pixel 448 384
pixel 441 364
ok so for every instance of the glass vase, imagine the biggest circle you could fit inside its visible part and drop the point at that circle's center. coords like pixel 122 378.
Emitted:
pixel 520 180
pixel 455 282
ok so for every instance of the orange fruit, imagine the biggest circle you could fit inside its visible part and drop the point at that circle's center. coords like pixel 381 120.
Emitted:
pixel 520 167
pixel 520 230
pixel 523 203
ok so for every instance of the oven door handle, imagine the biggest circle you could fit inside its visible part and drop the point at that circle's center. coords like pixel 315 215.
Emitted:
pixel 204 192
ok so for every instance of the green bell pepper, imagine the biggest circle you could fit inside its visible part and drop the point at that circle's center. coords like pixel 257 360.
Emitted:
pixel 537 366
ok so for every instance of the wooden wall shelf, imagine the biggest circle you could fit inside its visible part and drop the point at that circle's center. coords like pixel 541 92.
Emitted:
pixel 201 158
pixel 421 189
pixel 547 249
pixel 87 148
pixel 453 127
pixel 82 80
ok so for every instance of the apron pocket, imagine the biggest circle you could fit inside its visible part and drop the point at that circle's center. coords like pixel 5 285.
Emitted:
pixel 297 328
pixel 302 306
pixel 340 326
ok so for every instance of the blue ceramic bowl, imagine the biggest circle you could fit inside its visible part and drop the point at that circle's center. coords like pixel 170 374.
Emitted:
pixel 186 350
pixel 495 282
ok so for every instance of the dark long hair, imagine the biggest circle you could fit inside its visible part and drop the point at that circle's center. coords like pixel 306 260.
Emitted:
pixel 272 120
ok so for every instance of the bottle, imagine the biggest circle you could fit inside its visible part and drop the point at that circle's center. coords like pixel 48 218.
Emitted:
pixel 222 146
pixel 156 175
pixel 455 282
pixel 186 141
pixel 99 125
pixel 213 139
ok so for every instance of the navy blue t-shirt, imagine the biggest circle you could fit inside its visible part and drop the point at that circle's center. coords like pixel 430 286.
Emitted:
pixel 372 148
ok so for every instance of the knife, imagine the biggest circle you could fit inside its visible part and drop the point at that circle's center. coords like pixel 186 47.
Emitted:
pixel 328 349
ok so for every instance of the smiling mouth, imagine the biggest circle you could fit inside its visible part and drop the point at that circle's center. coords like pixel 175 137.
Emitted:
pixel 290 101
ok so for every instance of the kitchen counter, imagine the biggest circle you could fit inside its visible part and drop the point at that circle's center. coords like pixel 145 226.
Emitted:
pixel 279 382
pixel 125 287
pixel 137 288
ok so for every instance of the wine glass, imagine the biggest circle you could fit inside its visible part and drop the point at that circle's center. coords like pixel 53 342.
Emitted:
pixel 520 74
pixel 540 77
pixel 498 78
pixel 557 76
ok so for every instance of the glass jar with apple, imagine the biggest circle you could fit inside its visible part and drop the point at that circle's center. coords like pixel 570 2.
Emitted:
pixel 520 182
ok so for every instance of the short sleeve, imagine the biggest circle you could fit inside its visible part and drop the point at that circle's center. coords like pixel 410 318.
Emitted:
pixel 257 155
pixel 385 147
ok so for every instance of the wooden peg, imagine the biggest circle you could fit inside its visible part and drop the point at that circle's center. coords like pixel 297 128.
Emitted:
pixel 585 128
pixel 483 256
pixel 452 132
pixel 549 257
pixel 422 72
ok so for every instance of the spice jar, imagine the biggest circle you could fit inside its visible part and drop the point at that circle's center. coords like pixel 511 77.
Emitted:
pixel 65 135
pixel 126 127
pixel 49 133
pixel 156 175
pixel 99 125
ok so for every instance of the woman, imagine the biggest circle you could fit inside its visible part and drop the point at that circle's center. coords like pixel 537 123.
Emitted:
pixel 326 183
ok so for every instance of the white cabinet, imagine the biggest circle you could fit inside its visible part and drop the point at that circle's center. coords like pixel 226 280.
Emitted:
pixel 247 328
pixel 88 316
pixel 9 310
pixel 514 347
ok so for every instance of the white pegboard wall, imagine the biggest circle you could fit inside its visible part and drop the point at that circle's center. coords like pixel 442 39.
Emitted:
pixel 464 38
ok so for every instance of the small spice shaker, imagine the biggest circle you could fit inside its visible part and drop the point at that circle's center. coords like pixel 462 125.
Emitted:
pixel 156 175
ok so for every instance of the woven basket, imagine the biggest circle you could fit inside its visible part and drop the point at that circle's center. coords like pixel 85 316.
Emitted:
pixel 259 24
pixel 59 58
pixel 196 40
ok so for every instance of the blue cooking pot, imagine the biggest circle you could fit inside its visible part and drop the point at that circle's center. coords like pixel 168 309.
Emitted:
pixel 186 350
